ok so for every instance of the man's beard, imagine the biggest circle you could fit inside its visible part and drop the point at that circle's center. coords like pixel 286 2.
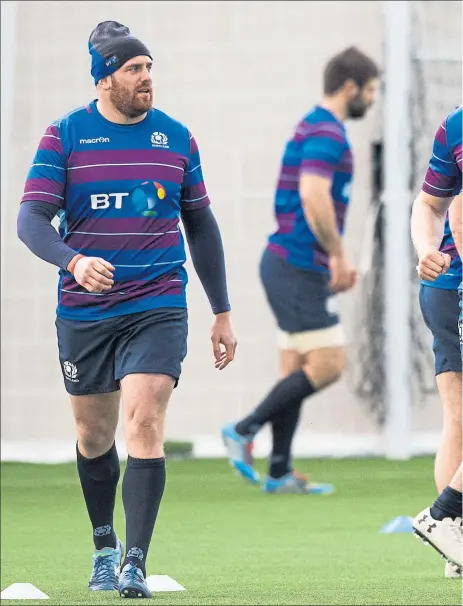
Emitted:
pixel 357 108
pixel 130 104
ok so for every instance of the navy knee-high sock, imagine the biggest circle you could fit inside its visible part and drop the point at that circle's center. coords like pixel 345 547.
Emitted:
pixel 283 430
pixel 447 505
pixel 99 478
pixel 285 396
pixel 142 490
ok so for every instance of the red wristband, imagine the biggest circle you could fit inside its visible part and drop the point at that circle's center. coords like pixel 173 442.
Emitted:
pixel 73 263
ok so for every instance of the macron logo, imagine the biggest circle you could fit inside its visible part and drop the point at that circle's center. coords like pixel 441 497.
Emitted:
pixel 98 140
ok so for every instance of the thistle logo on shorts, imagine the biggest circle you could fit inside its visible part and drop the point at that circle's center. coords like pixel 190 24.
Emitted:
pixel 70 371
pixel 332 306
pixel 160 140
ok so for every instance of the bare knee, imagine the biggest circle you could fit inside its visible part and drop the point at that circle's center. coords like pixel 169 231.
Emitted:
pixel 144 430
pixel 96 418
pixel 290 361
pixel 325 366
pixel 145 403
pixel 450 390
pixel 94 438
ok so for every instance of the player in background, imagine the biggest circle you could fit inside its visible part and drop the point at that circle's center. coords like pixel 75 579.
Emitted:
pixel 439 301
pixel 121 175
pixel 441 524
pixel 304 264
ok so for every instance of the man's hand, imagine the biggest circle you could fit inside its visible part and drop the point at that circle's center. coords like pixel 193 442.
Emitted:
pixel 343 273
pixel 432 264
pixel 222 333
pixel 94 274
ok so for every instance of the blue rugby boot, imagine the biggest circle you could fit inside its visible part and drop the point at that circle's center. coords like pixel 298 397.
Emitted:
pixel 106 567
pixel 132 583
pixel 239 451
pixel 295 483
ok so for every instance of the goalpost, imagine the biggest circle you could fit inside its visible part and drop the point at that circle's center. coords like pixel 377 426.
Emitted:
pixel 396 200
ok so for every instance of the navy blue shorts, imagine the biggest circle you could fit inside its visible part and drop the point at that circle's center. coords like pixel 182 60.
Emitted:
pixel 440 310
pixel 96 355
pixel 300 299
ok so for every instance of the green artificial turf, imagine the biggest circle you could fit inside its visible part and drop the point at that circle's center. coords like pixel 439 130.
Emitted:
pixel 228 543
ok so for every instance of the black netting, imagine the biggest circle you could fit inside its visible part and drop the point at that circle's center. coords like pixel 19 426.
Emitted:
pixel 436 90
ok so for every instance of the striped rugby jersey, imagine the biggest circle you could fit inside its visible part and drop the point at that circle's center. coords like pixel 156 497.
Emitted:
pixel 120 190
pixel 443 180
pixel 319 146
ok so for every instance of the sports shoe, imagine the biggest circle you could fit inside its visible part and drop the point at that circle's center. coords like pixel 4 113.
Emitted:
pixel 106 567
pixel 295 483
pixel 240 454
pixel 132 583
pixel 446 536
pixel 451 571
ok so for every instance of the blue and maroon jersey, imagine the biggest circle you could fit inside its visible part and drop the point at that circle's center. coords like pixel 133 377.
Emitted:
pixel 319 146
pixel 120 190
pixel 443 180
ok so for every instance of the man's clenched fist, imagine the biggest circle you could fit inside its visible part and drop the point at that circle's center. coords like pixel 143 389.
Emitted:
pixel 432 264
pixel 94 274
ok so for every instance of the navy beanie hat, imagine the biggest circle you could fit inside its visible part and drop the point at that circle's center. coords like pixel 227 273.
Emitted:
pixel 110 45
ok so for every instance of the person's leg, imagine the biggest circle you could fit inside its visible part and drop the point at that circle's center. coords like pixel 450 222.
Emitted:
pixel 440 309
pixel 449 503
pixel 441 524
pixel 96 418
pixel 149 354
pixel 145 398
pixel 457 481
pixel 303 307
pixel 449 454
pixel 285 424
pixel 322 367
pixel 86 351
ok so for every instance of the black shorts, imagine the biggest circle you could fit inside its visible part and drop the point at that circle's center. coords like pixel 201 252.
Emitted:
pixel 440 309
pixel 300 299
pixel 95 356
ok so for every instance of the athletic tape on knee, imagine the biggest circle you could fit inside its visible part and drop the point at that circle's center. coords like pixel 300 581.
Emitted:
pixel 309 340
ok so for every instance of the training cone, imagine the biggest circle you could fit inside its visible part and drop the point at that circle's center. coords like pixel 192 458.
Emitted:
pixel 399 524
pixel 23 591
pixel 162 582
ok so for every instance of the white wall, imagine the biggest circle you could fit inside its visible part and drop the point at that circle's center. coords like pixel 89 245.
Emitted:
pixel 239 74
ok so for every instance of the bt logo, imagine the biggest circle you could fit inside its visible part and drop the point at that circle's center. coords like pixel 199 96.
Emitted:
pixel 100 201
pixel 112 60
pixel 143 197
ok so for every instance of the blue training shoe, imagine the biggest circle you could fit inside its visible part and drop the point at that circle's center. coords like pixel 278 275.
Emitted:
pixel 132 583
pixel 106 567
pixel 295 483
pixel 239 451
